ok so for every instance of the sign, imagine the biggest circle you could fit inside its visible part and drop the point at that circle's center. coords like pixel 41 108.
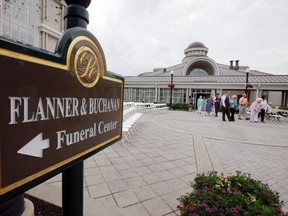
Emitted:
pixel 55 108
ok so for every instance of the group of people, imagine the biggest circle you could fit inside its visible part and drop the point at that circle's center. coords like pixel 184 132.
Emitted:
pixel 205 104
pixel 229 107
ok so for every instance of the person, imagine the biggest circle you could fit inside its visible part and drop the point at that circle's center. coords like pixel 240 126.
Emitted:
pixel 269 108
pixel 199 104
pixel 242 107
pixel 204 104
pixel 225 102
pixel 264 108
pixel 254 110
pixel 269 111
pixel 209 103
pixel 217 100
pixel 233 107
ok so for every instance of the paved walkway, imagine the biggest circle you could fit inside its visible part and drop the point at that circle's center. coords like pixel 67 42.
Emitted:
pixel 146 176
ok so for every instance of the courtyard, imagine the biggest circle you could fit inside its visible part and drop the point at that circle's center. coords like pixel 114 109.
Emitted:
pixel 146 175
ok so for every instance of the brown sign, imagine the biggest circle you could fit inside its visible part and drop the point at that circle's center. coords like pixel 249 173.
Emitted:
pixel 53 113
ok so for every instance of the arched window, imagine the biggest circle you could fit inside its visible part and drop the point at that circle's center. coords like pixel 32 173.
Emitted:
pixel 198 72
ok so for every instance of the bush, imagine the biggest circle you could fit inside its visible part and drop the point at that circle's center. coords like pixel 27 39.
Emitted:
pixel 283 108
pixel 233 195
pixel 181 106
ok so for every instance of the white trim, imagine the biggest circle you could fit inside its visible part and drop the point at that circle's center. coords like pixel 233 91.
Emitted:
pixel 205 59
pixel 50 31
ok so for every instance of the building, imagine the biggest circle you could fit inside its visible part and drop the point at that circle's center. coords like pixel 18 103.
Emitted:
pixel 38 23
pixel 199 74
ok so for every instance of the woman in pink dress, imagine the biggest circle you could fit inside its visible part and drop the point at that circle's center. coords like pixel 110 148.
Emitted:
pixel 255 109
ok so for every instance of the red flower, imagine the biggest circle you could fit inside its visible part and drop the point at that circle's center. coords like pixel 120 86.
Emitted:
pixel 178 206
pixel 249 85
pixel 279 210
pixel 190 207
pixel 171 85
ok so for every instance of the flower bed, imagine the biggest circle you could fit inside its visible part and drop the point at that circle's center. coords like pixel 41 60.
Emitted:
pixel 215 194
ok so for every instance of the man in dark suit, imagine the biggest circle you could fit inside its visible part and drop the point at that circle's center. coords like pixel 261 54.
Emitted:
pixel 217 100
pixel 225 101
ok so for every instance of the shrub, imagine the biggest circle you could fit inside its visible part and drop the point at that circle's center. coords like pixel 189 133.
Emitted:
pixel 180 106
pixel 233 195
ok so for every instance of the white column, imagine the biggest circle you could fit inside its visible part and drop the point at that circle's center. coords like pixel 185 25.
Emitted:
pixel 220 92
pixel 257 91
pixel 187 96
pixel 213 92
pixel 130 94
pixel 156 93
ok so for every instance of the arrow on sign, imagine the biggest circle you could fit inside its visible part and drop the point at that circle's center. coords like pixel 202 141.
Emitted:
pixel 35 146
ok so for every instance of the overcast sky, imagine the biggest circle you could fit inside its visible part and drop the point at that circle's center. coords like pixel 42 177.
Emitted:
pixel 139 35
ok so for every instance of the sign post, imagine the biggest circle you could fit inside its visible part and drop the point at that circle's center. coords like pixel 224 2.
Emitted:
pixel 57 109
pixel 72 190
pixel 72 178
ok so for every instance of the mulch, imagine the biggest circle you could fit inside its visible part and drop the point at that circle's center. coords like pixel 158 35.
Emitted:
pixel 43 208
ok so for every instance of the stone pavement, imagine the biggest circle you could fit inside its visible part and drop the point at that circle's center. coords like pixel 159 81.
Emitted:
pixel 146 175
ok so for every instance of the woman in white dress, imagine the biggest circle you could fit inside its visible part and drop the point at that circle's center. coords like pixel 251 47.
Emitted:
pixel 255 109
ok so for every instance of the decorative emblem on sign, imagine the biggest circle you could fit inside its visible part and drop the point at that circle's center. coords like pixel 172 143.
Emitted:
pixel 86 67
pixel 86 61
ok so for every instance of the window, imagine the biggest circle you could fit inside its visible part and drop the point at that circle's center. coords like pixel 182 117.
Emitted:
pixel 126 94
pixel 198 72
pixel 18 21
pixel 143 95
pixel 178 96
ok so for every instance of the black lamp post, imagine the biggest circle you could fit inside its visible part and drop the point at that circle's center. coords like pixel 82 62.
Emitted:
pixel 75 15
pixel 247 78
pixel 171 85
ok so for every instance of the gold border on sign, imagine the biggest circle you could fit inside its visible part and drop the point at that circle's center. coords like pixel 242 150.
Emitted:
pixel 33 59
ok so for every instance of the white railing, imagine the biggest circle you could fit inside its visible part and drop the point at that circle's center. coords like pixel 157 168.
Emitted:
pixel 132 112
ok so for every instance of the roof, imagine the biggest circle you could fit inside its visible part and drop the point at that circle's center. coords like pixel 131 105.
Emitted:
pixel 223 70
pixel 209 79
pixel 226 75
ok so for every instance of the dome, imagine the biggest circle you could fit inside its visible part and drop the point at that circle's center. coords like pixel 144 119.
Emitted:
pixel 196 45
pixel 194 50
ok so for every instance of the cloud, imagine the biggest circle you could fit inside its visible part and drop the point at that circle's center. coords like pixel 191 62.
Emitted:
pixel 138 36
